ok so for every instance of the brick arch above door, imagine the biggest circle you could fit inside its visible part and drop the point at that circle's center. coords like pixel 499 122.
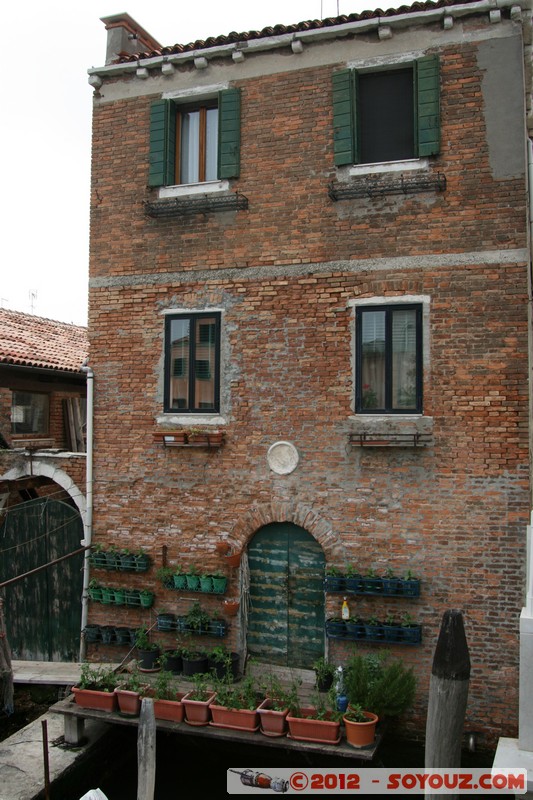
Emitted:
pixel 300 514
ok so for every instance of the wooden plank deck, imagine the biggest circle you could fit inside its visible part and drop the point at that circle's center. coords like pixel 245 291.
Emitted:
pixel 47 672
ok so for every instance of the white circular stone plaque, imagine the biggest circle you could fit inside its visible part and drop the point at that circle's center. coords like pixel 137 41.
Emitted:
pixel 282 458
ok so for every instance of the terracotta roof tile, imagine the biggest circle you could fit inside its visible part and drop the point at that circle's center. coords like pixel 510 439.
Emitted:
pixel 277 30
pixel 26 340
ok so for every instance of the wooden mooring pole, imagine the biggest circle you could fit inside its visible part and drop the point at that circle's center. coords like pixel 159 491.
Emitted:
pixel 146 738
pixel 448 695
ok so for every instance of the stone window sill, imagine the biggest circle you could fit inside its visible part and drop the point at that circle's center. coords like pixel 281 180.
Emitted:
pixel 391 430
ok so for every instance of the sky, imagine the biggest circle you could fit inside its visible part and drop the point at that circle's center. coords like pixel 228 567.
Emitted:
pixel 45 135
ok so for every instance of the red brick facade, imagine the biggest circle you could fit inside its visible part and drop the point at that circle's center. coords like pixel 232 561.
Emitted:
pixel 286 273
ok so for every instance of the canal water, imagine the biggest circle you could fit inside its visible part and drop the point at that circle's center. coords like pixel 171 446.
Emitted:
pixel 190 767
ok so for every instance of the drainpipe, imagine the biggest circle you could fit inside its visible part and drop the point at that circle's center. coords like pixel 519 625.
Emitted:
pixel 88 525
pixel 529 550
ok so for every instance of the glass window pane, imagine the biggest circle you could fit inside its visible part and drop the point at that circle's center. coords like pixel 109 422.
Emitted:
pixel 29 412
pixel 179 364
pixel 373 359
pixel 204 367
pixel 190 146
pixel 404 359
pixel 211 144
pixel 386 113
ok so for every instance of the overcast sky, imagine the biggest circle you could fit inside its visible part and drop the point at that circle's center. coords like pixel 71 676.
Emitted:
pixel 47 47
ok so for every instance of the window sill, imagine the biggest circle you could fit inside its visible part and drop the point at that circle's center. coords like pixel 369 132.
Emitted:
pixel 408 165
pixel 390 430
pixel 192 189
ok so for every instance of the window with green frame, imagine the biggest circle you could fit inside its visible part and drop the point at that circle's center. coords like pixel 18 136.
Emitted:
pixel 192 362
pixel 389 359
pixel 390 114
pixel 194 143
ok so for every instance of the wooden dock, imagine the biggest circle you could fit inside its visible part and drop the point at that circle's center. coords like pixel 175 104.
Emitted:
pixel 47 672
pixel 75 716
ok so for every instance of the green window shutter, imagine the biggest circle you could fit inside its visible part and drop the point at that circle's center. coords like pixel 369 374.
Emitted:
pixel 428 105
pixel 344 120
pixel 229 133
pixel 162 143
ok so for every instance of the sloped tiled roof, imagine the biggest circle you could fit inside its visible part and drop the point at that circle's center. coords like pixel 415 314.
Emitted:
pixel 26 340
pixel 278 30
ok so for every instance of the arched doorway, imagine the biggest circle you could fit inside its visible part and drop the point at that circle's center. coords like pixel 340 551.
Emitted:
pixel 42 611
pixel 286 613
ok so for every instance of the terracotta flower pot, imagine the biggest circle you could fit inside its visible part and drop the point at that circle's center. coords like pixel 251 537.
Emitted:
pixel 234 559
pixel 129 703
pixel 197 711
pixel 231 607
pixel 273 723
pixel 92 698
pixel 237 719
pixel 306 729
pixel 361 734
pixel 223 548
pixel 171 710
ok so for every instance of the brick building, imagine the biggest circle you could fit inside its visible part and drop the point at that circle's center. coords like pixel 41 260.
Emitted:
pixel 42 481
pixel 314 239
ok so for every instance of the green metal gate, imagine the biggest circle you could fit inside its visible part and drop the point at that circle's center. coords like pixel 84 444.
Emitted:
pixel 42 611
pixel 286 617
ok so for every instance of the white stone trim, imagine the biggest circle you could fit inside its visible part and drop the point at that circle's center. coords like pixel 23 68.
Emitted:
pixel 41 468
pixel 191 189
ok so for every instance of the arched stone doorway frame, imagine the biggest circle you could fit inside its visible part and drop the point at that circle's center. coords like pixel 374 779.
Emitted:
pixel 43 469
pixel 263 514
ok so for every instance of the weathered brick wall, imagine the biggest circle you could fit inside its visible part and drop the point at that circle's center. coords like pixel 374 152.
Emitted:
pixel 455 512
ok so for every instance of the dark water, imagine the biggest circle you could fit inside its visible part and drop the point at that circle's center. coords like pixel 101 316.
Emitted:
pixel 192 767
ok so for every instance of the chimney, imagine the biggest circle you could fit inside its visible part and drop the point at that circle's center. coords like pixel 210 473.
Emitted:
pixel 125 36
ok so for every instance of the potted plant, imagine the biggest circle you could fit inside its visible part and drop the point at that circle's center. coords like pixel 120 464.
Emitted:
pixel 411 631
pixel 206 582
pixel 133 597
pixel 197 619
pixel 196 702
pixel 197 436
pixel 141 560
pixel 410 585
pixel 334 579
pixel 352 582
pixel 233 558
pixel 126 560
pixel 172 660
pixel 194 662
pixel 108 595
pixel 317 723
pixel 167 701
pixel 148 652
pixel 219 581
pixel 392 631
pixel 335 628
pixel 378 684
pixel 119 596
pixel 166 576
pixel 98 557
pixel 373 628
pixel 179 578
pixel 192 579
pixel 165 620
pixel 128 692
pixel 112 561
pixel 360 726
pixel 273 710
pixel 92 634
pixel 372 583
pixel 147 598
pixel 324 674
pixel 391 582
pixel 215 438
pixel 223 664
pixel 355 628
pixel 231 606
pixel 95 591
pixel 96 688
pixel 222 547
pixel 216 626
pixel 234 706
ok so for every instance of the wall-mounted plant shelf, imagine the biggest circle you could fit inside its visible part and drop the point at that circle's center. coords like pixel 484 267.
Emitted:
pixel 171 622
pixel 209 584
pixel 210 439
pixel 108 595
pixel 382 587
pixel 109 634
pixel 378 632
pixel 119 561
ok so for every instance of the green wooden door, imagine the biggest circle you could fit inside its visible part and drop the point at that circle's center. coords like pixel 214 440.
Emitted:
pixel 43 611
pixel 286 617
